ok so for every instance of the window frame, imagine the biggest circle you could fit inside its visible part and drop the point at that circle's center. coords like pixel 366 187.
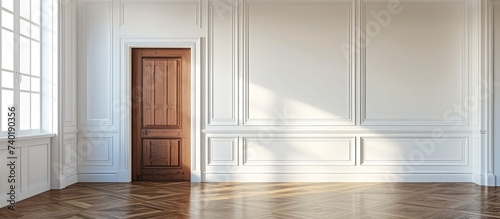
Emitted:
pixel 19 76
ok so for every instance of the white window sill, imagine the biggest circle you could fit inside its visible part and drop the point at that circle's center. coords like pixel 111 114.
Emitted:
pixel 29 136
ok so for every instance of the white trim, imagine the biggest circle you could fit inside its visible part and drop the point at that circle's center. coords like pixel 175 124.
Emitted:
pixel 464 148
pixel 350 120
pixel 125 175
pixel 211 142
pixel 465 74
pixel 349 161
pixel 69 64
pixel 70 180
pixel 488 174
pixel 337 177
pixel 28 137
pixel 83 63
pixel 197 3
pixel 23 188
pixel 211 119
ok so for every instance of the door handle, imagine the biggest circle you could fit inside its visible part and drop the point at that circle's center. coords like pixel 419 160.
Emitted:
pixel 145 132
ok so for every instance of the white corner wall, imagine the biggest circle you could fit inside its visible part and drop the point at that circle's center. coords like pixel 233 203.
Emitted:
pixel 297 90
pixel 69 62
pixel 495 16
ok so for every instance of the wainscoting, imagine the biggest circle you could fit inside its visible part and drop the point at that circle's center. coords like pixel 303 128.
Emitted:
pixel 299 90
pixel 33 168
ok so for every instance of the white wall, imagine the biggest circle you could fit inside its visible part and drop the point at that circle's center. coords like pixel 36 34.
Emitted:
pixel 68 61
pixel 310 112
pixel 496 75
pixel 299 90
pixel 97 142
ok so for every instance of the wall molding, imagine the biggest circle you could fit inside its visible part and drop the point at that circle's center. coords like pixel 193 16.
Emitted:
pixel 68 62
pixel 490 171
pixel 350 160
pixel 85 81
pixel 237 128
pixel 215 9
pixel 31 165
pixel 90 145
pixel 234 151
pixel 423 151
pixel 334 130
pixel 337 177
pixel 70 155
pixel 283 120
pixel 104 150
pixel 196 3
pixel 465 74
pixel 28 167
pixel 126 45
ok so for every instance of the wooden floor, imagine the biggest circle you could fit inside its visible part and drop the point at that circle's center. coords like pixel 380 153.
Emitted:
pixel 263 200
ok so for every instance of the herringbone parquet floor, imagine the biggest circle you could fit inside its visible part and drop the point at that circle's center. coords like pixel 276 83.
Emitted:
pixel 262 200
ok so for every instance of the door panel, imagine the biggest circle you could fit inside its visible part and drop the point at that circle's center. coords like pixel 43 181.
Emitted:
pixel 161 114
pixel 161 153
pixel 148 93
pixel 171 100
pixel 160 90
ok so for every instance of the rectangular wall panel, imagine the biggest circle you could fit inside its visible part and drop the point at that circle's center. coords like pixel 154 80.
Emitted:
pixel 68 60
pixel 97 74
pixel 297 71
pixel 222 151
pixel 4 171
pixel 70 155
pixel 97 151
pixel 33 168
pixel 223 64
pixel 299 151
pixel 69 101
pixel 414 66
pixel 98 155
pixel 160 14
pixel 18 176
pixel 37 159
pixel 414 151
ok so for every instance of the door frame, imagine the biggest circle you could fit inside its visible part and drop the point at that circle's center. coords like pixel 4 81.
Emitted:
pixel 127 44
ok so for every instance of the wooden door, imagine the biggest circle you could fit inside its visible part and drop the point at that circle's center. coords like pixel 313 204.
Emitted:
pixel 161 114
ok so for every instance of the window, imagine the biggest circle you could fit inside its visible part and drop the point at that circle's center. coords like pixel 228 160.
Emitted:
pixel 20 63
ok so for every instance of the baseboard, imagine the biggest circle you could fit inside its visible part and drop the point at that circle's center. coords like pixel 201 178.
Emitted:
pixel 224 177
pixel 124 176
pixel 477 179
pixel 34 191
pixel 3 200
pixel 196 176
pixel 98 177
pixel 70 180
pixel 485 180
pixel 492 180
pixel 260 177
